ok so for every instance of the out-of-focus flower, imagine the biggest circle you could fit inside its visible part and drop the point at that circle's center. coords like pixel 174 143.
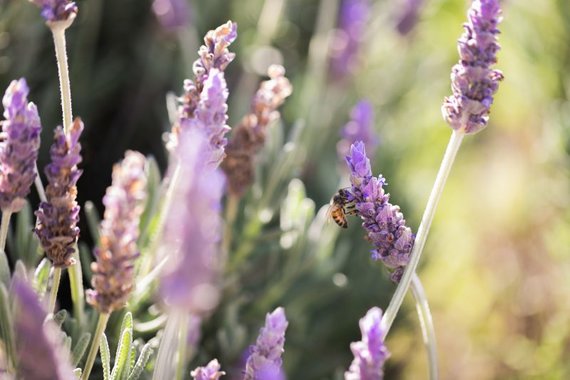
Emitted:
pixel 385 225
pixel 19 144
pixel 370 353
pixel 473 82
pixel 40 355
pixel 58 217
pixel 353 17
pixel 249 136
pixel 264 362
pixel 192 232
pixel 359 128
pixel 57 10
pixel 113 272
pixel 408 15
pixel 210 372
pixel 172 14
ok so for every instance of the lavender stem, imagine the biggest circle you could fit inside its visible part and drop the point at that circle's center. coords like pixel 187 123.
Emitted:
pixel 182 349
pixel 426 323
pixel 56 278
pixel 169 347
pixel 76 284
pixel 99 330
pixel 58 31
pixel 4 267
pixel 423 231
pixel 232 205
pixel 40 187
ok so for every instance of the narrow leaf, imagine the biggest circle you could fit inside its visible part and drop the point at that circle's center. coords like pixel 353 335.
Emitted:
pixel 60 317
pixel 122 354
pixel 141 362
pixel 105 357
pixel 93 220
pixel 80 348
pixel 41 277
pixel 6 327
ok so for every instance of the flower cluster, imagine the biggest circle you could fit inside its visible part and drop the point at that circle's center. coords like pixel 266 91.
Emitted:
pixel 385 225
pixel 19 144
pixel 58 217
pixel 113 274
pixel 264 361
pixel 359 128
pixel 473 82
pixel 210 372
pixel 370 353
pixel 57 10
pixel 249 136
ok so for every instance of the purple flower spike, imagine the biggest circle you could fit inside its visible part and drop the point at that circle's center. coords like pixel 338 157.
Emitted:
pixel 172 14
pixel 19 144
pixel 385 225
pixel 360 127
pixel 264 362
pixel 473 82
pixel 113 273
pixel 370 353
pixel 58 217
pixel 57 10
pixel 39 351
pixel 210 372
pixel 190 280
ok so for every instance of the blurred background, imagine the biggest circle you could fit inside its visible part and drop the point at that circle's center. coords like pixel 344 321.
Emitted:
pixel 496 267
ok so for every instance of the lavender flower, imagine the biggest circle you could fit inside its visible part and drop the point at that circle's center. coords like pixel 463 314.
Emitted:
pixel 210 372
pixel 385 225
pixel 58 217
pixel 360 127
pixel 113 272
pixel 353 17
pixel 264 362
pixel 408 16
pixel 57 10
pixel 472 80
pixel 19 144
pixel 370 353
pixel 39 351
pixel 249 136
pixel 172 14
pixel 191 235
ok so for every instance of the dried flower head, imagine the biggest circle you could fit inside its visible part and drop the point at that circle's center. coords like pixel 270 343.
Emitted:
pixel 58 217
pixel 473 82
pixel 249 136
pixel 210 372
pixel 264 362
pixel 385 225
pixel 57 10
pixel 359 128
pixel 40 354
pixel 19 144
pixel 190 279
pixel 113 272
pixel 172 14
pixel 370 353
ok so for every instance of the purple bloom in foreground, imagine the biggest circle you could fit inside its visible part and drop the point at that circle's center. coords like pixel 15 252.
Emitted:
pixel 58 217
pixel 40 355
pixel 385 225
pixel 210 372
pixel 408 16
pixel 360 127
pixel 56 10
pixel 264 362
pixel 473 82
pixel 19 144
pixel 353 17
pixel 172 14
pixel 193 230
pixel 113 273
pixel 370 353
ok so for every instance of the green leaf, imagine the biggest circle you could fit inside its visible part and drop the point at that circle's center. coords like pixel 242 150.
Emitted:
pixel 80 348
pixel 105 357
pixel 85 255
pixel 141 362
pixel 41 277
pixel 60 317
pixel 152 199
pixel 93 220
pixel 6 327
pixel 122 354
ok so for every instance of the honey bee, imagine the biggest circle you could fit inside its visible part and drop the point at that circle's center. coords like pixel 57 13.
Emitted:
pixel 340 207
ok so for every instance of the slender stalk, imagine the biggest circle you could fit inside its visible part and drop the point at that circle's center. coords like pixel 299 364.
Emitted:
pixel 99 330
pixel 58 32
pixel 40 186
pixel 4 267
pixel 182 349
pixel 56 278
pixel 164 367
pixel 423 230
pixel 426 323
pixel 76 285
pixel 231 213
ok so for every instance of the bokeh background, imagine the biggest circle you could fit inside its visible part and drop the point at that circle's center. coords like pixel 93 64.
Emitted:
pixel 496 267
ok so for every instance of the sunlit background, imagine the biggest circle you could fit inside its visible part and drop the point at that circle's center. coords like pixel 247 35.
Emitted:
pixel 496 267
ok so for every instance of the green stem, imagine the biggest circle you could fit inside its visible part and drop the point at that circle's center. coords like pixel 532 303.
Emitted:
pixel 182 352
pixel 40 186
pixel 76 285
pixel 164 366
pixel 4 267
pixel 56 278
pixel 423 230
pixel 99 330
pixel 426 323
pixel 58 31
pixel 231 213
